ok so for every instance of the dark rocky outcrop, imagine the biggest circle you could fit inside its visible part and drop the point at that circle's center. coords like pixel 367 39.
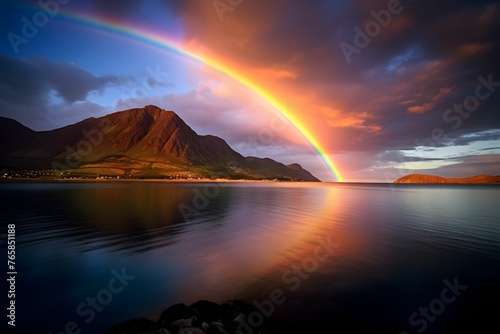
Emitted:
pixel 202 317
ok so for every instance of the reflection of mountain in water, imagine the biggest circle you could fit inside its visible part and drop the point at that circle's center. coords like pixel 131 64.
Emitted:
pixel 132 219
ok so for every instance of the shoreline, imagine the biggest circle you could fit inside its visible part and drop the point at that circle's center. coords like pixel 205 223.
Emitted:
pixel 193 181
pixel 114 180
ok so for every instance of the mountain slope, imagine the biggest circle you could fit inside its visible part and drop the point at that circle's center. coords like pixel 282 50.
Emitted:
pixel 141 142
pixel 271 168
pixel 13 136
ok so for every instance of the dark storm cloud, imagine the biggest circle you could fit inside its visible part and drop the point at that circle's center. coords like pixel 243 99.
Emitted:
pixel 116 8
pixel 124 9
pixel 423 68
pixel 476 137
pixel 71 82
pixel 283 29
pixel 437 69
pixel 23 80
pixel 23 91
pixel 433 30
pixel 427 59
pixel 26 86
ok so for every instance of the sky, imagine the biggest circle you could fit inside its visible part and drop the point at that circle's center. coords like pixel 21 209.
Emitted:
pixel 381 88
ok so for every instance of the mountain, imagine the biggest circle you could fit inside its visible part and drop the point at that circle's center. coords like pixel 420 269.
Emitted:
pixel 144 142
pixel 13 136
pixel 422 178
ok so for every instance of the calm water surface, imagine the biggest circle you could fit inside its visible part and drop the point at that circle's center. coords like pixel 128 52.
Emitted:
pixel 381 253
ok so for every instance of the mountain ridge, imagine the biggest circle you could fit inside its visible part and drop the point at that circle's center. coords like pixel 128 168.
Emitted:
pixel 146 142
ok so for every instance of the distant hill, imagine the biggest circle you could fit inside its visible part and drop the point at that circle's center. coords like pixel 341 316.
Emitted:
pixel 144 142
pixel 422 178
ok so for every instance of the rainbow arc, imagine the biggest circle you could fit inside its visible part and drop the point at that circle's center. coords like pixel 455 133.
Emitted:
pixel 163 42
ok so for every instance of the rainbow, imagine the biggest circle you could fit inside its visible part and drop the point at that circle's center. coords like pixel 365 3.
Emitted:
pixel 163 42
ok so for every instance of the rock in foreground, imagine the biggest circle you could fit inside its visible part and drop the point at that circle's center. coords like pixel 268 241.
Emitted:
pixel 202 317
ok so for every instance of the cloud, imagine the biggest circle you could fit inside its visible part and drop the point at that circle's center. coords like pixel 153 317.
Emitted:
pixel 469 138
pixel 434 101
pixel 72 83
pixel 126 11
pixel 116 9
pixel 352 120
pixel 29 89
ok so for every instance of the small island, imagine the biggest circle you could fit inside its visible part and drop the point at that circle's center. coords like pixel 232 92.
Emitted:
pixel 434 179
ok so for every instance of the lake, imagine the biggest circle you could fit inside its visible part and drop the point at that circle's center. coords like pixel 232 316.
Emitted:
pixel 359 258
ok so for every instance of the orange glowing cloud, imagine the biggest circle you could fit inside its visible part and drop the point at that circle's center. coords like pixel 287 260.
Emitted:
pixel 434 101
pixel 470 50
pixel 240 44
pixel 338 119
